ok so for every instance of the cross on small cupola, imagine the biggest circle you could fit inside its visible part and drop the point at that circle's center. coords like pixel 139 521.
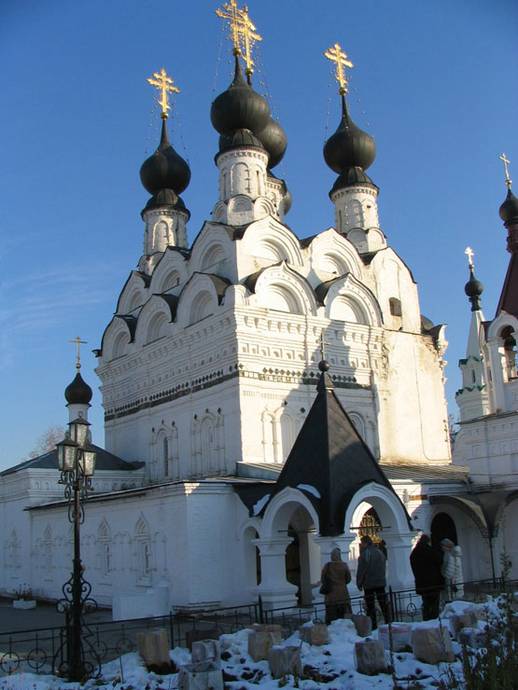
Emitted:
pixel 78 342
pixel 470 254
pixel 337 55
pixel 165 85
pixel 506 162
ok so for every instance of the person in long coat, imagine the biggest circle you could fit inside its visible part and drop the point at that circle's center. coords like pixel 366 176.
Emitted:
pixel 452 570
pixel 426 563
pixel 336 575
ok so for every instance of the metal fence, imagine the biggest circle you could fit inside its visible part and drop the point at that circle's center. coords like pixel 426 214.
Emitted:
pixel 44 650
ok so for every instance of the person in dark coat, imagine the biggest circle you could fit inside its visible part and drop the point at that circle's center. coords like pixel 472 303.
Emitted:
pixel 426 562
pixel 337 575
pixel 370 577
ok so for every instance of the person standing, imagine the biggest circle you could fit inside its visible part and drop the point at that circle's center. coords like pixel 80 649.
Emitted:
pixel 426 565
pixel 449 569
pixel 334 578
pixel 371 578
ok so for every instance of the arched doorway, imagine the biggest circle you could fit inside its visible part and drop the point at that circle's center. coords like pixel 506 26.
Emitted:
pixel 300 529
pixel 443 527
pixel 370 526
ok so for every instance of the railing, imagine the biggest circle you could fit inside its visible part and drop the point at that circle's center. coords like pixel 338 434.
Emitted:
pixel 42 650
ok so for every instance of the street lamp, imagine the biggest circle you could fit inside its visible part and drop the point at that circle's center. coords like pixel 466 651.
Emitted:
pixel 76 462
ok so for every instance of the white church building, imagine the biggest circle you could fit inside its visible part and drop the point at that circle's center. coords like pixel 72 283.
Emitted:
pixel 268 398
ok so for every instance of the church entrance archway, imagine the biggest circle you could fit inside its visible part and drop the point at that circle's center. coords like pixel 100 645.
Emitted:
pixel 298 554
pixel 443 527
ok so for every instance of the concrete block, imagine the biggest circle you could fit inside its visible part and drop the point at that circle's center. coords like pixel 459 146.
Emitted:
pixel 400 636
pixel 369 657
pixel 314 633
pixel 432 645
pixel 261 641
pixel 201 634
pixel 468 619
pixel 206 651
pixel 363 624
pixel 153 646
pixel 285 661
pixel 200 677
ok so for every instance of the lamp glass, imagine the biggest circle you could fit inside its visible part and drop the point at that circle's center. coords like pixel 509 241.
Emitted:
pixel 69 457
pixel 88 463
pixel 79 432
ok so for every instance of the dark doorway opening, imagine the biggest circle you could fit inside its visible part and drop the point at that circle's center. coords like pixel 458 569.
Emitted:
pixel 443 527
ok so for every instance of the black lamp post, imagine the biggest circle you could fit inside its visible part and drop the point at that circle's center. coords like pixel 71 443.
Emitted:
pixel 76 461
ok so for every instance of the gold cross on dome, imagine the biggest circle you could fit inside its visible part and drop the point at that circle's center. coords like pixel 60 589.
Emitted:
pixel 233 15
pixel 341 60
pixel 470 254
pixel 78 342
pixel 165 84
pixel 506 161
pixel 247 31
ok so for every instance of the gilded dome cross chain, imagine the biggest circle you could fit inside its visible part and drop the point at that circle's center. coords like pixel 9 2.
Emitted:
pixel 78 342
pixel 165 84
pixel 506 161
pixel 242 31
pixel 341 60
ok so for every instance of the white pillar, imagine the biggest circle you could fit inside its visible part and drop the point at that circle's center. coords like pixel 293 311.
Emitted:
pixel 399 547
pixel 274 589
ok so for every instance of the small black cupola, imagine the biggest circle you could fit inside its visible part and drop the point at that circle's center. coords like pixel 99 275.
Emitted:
pixel 78 392
pixel 473 289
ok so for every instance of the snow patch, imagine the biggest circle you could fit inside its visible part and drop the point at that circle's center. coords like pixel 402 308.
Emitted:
pixel 260 504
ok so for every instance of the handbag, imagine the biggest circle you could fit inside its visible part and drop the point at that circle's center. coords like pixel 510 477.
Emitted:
pixel 326 585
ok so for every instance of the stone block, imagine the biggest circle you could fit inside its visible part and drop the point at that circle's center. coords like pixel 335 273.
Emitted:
pixel 285 661
pixel 206 651
pixel 432 645
pixel 472 637
pixel 200 677
pixel 369 657
pixel 314 633
pixel 400 634
pixel 153 646
pixel 201 634
pixel 468 619
pixel 261 641
pixel 363 624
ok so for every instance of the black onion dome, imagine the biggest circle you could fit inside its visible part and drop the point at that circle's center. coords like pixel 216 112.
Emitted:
pixel 473 289
pixel 240 138
pixel 78 392
pixel 349 146
pixel 165 169
pixel 509 209
pixel 239 107
pixel 274 140
pixel 287 201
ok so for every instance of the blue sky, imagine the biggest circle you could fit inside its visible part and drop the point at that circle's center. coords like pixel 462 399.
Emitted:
pixel 434 82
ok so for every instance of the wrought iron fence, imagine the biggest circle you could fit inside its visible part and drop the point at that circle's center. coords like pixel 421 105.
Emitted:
pixel 44 650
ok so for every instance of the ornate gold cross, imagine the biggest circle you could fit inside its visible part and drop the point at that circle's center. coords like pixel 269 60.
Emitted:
pixel 341 60
pixel 506 161
pixel 78 342
pixel 232 14
pixel 250 36
pixel 165 84
pixel 322 343
pixel 243 32
pixel 470 254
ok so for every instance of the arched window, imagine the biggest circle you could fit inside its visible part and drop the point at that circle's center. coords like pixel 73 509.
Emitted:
pixel 208 445
pixel 355 214
pixel 201 307
pixel 370 526
pixel 510 353
pixel 359 424
pixel 288 434
pixel 104 553
pixel 171 280
pixel 157 327
pixel 143 550
pixel 120 345
pixel 165 455
pixel 241 178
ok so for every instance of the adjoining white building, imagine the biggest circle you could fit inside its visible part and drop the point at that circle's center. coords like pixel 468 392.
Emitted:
pixel 236 459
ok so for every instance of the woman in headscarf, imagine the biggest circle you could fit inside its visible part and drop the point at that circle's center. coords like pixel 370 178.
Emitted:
pixel 334 579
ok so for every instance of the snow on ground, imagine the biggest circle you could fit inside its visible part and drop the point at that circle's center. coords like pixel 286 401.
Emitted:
pixel 329 666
